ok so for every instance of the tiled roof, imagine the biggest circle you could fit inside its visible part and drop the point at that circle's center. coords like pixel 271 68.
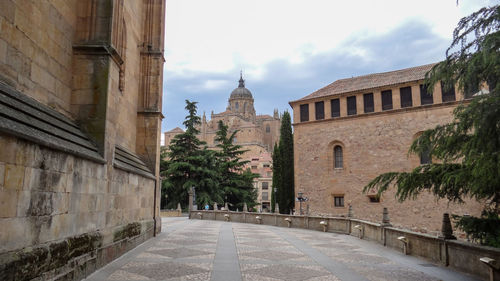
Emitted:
pixel 265 116
pixel 371 81
pixel 176 130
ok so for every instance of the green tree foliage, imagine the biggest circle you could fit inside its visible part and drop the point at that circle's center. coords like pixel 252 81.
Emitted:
pixel 286 191
pixel 190 165
pixel 234 180
pixel 467 150
pixel 276 177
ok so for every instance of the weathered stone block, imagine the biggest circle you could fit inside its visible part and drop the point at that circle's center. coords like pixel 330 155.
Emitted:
pixel 9 148
pixel 41 204
pixel 2 172
pixel 18 236
pixel 8 201
pixel 130 230
pixel 14 176
pixel 3 51
pixel 23 203
pixel 7 10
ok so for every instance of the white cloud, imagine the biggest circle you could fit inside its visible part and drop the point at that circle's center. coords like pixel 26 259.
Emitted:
pixel 222 35
pixel 208 42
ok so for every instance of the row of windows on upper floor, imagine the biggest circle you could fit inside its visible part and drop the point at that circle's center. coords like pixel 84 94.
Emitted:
pixel 448 94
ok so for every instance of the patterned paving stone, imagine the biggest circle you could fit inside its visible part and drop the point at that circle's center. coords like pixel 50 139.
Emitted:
pixel 188 241
pixel 264 244
pixel 359 258
pixel 341 246
pixel 161 271
pixel 273 255
pixel 286 272
pixel 179 253
pixel 392 273
pixel 262 253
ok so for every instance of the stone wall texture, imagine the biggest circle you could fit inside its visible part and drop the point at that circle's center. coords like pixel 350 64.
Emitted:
pixel 99 63
pixel 372 143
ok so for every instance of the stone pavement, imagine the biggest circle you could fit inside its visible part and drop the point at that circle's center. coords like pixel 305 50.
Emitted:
pixel 215 250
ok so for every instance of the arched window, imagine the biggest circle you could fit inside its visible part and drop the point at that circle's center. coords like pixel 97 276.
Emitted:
pixel 268 128
pixel 425 157
pixel 236 105
pixel 338 157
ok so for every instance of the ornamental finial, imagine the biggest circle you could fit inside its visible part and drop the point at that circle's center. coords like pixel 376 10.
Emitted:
pixel 242 82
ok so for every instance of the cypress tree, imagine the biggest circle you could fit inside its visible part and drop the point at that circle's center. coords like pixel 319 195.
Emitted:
pixel 286 197
pixel 276 177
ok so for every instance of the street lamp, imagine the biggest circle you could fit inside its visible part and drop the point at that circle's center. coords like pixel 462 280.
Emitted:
pixel 301 198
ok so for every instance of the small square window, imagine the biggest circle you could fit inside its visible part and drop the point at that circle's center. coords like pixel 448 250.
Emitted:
pixel 425 96
pixel 304 112
pixel 368 102
pixel 265 196
pixel 405 94
pixel 448 92
pixel 351 105
pixel 320 110
pixel 374 198
pixel 265 185
pixel 338 201
pixel 425 157
pixel 335 105
pixel 386 100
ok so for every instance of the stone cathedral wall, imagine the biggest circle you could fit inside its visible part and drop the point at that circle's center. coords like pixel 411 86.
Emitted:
pixel 80 118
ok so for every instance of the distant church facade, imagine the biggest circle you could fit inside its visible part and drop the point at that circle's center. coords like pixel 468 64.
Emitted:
pixel 256 133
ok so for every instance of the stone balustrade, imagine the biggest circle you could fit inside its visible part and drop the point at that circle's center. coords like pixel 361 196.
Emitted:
pixel 460 255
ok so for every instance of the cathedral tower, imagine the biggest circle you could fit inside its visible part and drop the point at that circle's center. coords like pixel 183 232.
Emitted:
pixel 241 101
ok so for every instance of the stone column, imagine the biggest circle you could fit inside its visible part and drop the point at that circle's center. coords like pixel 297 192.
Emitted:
pixel 215 206
pixel 245 208
pixel 349 216
pixel 385 218
pixel 385 223
pixel 190 192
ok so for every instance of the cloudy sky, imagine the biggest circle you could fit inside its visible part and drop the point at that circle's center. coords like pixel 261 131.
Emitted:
pixel 290 48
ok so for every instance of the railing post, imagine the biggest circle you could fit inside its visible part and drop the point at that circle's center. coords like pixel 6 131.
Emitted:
pixel 349 217
pixel 386 222
pixel 190 193
pixel 446 234
pixel 493 267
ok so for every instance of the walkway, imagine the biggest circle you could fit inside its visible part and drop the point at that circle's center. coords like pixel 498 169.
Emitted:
pixel 214 250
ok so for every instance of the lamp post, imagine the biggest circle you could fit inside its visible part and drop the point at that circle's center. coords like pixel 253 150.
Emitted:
pixel 301 198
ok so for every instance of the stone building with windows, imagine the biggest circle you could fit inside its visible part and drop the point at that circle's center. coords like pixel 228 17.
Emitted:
pixel 256 133
pixel 262 165
pixel 354 129
pixel 80 119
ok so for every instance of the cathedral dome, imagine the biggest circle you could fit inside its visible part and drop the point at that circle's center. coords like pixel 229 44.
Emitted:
pixel 241 91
